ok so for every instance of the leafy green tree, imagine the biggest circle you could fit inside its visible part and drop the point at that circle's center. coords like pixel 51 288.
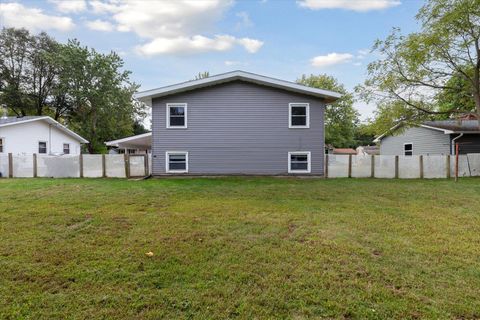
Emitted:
pixel 341 118
pixel 101 93
pixel 435 71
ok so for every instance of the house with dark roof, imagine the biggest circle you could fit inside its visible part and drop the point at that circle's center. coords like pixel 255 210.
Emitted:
pixel 237 123
pixel 431 138
pixel 37 134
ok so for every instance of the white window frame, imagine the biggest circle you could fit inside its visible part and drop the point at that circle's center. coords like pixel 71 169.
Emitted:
pixel 167 109
pixel 404 149
pixel 46 146
pixel 3 145
pixel 307 120
pixel 167 161
pixel 63 147
pixel 309 161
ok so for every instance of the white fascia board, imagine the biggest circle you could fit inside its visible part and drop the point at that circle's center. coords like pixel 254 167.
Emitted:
pixel 143 96
pixel 114 143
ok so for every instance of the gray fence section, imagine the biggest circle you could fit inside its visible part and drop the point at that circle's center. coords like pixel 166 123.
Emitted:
pixel 88 166
pixel 402 167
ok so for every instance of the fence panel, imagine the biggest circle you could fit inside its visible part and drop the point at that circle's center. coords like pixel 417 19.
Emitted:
pixel 115 165
pixel 385 167
pixel 4 172
pixel 409 167
pixel 137 165
pixel 22 166
pixel 474 164
pixel 58 166
pixel 338 166
pixel 92 165
pixel 361 166
pixel 434 166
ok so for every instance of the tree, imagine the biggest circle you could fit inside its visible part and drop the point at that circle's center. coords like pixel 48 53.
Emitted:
pixel 435 71
pixel 341 118
pixel 101 94
pixel 202 75
pixel 14 54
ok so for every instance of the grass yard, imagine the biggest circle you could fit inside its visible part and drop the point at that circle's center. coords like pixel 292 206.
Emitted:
pixel 239 248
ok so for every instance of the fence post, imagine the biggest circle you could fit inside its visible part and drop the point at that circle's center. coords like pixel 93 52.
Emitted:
pixel 420 158
pixel 326 165
pixel 104 166
pixel 145 163
pixel 80 163
pixel 373 166
pixel 127 165
pixel 349 165
pixel 396 167
pixel 448 167
pixel 35 172
pixel 10 165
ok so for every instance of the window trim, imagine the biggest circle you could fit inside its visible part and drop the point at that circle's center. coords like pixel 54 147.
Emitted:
pixel 309 161
pixel 167 112
pixel 404 149
pixel 167 161
pixel 46 147
pixel 307 120
pixel 3 144
pixel 63 147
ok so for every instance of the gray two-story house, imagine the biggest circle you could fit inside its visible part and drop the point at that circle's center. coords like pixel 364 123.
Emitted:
pixel 237 123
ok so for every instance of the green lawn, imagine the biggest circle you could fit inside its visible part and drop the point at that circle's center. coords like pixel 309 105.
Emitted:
pixel 239 248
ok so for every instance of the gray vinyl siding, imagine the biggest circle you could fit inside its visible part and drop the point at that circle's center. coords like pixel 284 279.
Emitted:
pixel 425 141
pixel 238 128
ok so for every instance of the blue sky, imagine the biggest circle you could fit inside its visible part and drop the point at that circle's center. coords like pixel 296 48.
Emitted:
pixel 164 42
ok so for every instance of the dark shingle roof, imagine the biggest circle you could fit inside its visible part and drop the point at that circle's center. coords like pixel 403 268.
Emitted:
pixel 455 125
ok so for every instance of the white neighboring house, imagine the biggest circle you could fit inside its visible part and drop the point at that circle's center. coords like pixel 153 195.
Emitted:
pixel 139 144
pixel 37 134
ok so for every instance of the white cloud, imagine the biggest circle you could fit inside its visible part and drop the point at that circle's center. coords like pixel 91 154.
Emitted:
pixel 174 26
pixel 68 6
pixel 231 63
pixel 355 5
pixel 251 45
pixel 245 21
pixel 16 15
pixel 331 59
pixel 196 44
pixel 100 25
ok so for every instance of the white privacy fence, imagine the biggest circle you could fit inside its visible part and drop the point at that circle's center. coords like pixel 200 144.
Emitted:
pixel 402 167
pixel 88 166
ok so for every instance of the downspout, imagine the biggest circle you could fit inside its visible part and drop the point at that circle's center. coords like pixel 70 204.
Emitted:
pixel 50 139
pixel 453 143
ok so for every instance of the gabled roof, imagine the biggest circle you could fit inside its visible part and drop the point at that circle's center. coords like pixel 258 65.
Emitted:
pixel 11 121
pixel 445 126
pixel 146 96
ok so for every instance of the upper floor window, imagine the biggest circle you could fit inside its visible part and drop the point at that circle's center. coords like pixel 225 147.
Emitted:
pixel 2 143
pixel 176 115
pixel 299 115
pixel 408 149
pixel 42 147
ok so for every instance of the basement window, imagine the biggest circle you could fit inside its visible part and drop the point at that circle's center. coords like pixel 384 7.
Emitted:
pixel 299 162
pixel 176 115
pixel 176 161
pixel 408 149
pixel 299 115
